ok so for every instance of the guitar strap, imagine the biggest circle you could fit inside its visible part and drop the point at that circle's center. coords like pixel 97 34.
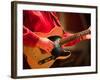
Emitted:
pixel 55 18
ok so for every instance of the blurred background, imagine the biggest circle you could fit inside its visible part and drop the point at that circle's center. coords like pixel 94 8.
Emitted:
pixel 74 22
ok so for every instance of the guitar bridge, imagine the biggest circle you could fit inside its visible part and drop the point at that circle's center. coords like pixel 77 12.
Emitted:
pixel 46 60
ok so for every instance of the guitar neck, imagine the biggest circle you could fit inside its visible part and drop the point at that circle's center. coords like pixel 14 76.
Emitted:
pixel 75 36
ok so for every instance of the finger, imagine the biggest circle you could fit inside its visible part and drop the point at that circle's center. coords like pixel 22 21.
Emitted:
pixel 88 36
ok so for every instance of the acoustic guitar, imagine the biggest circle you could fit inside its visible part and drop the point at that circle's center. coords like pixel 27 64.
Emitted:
pixel 37 58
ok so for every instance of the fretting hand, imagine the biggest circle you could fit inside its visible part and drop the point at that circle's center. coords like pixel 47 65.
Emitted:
pixel 88 36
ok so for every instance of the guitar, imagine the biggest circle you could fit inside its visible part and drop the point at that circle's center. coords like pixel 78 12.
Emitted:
pixel 37 58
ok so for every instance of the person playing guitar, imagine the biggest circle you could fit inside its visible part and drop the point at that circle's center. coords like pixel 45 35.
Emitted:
pixel 37 22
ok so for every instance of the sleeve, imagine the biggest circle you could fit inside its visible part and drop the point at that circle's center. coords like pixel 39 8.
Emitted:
pixel 71 43
pixel 29 38
pixel 29 19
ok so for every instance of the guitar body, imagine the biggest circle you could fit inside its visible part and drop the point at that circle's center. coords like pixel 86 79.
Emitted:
pixel 35 54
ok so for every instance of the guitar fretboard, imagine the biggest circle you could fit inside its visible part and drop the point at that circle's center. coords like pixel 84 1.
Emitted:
pixel 75 36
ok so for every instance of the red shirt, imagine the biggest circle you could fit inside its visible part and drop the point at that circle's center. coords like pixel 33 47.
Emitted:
pixel 39 21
